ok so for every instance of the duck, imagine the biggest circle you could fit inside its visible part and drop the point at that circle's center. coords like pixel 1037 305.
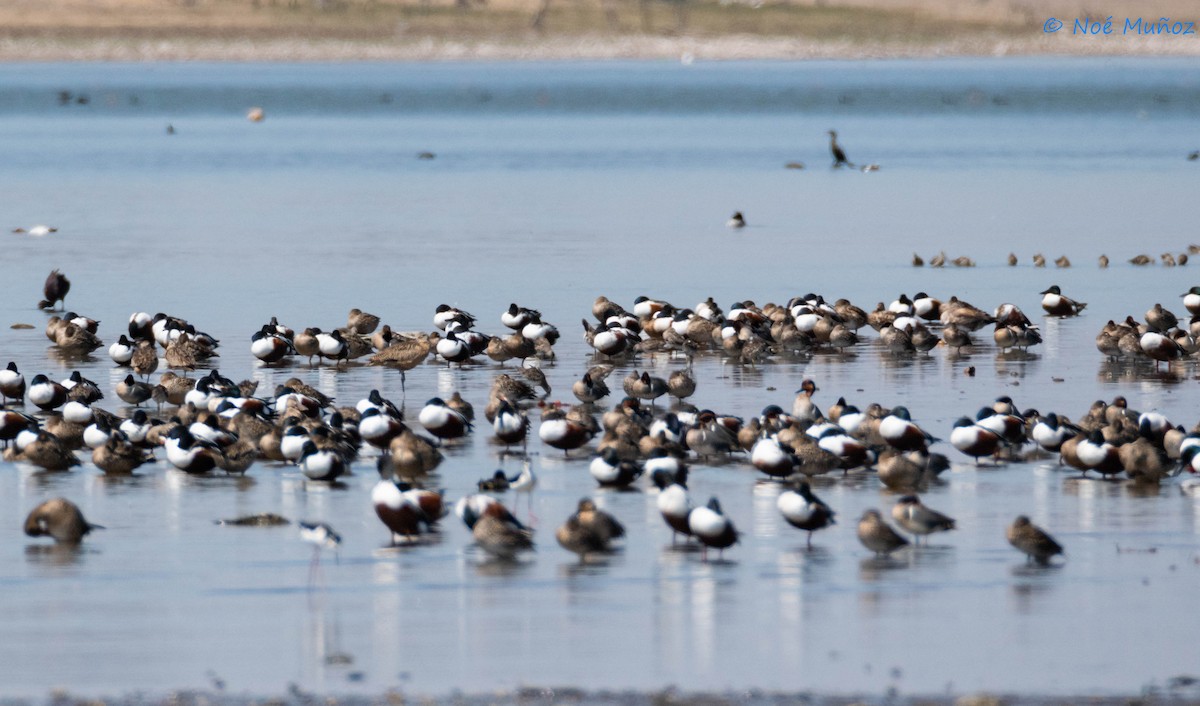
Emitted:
pixel 42 449
pixel 673 502
pixel 46 394
pixel 899 431
pixel 12 384
pixel 1055 304
pixel 54 290
pixel 1049 432
pixel 1103 262
pixel 710 526
pixel 411 455
pixel 122 350
pixel 804 510
pixel 1096 454
pixel 1039 260
pixel 443 422
pixel 974 440
pixel 500 534
pixel 645 386
pixel 589 531
pixel 270 347
pixel 134 392
pixel 189 454
pixel 877 535
pixel 378 428
pixel 361 323
pixel 737 220
pixel 59 519
pixel 559 432
pixel 1032 541
pixel 918 519
pixel 803 407
pixel 591 387
pixel 773 458
pixel 117 456
pixel 610 471
pixel 510 425
pixel 681 385
pixel 320 464
pixel 452 349
pixel 400 513
pixel 1161 348
pixel 445 315
pixel 333 346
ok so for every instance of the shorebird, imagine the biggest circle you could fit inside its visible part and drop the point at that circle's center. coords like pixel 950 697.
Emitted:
pixel 321 536
pixel 1031 540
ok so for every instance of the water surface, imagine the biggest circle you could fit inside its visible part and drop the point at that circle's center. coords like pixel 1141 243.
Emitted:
pixel 553 184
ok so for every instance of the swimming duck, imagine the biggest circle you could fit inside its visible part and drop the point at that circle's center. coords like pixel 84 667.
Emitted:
pixel 1039 260
pixel 58 518
pixel 1012 259
pixel 877 535
pixel 712 528
pixel 737 220
pixel 912 515
pixel 1031 540
pixel 1062 262
pixel 1103 261
pixel 1056 304
pixel 804 510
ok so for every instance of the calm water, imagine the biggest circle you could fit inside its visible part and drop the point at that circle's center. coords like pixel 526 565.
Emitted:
pixel 553 184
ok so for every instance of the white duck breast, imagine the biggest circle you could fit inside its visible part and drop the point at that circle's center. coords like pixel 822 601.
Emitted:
pixel 1049 438
pixel 706 523
pixel 94 437
pixel 603 471
pixel 795 508
pixel 321 465
pixel 45 394
pixel 329 346
pixel 136 433
pixel 767 453
pixel 77 413
pixel 121 353
pixel 376 426
pixel 817 430
pixel 673 502
pixel 668 464
pixel 1091 454
pixel 291 445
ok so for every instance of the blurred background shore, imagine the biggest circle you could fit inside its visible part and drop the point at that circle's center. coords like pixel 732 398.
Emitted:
pixel 344 30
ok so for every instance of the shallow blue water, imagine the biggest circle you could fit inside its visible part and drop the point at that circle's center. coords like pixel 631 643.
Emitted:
pixel 553 184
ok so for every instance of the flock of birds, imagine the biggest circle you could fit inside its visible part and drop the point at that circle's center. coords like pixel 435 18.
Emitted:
pixel 1039 260
pixel 212 423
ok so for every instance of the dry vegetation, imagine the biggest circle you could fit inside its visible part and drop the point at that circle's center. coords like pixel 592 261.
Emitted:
pixel 347 29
